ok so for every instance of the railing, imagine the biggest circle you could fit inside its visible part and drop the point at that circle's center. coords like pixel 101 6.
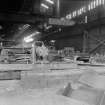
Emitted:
pixel 16 56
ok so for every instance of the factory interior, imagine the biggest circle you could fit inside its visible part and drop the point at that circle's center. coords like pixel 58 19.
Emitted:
pixel 52 52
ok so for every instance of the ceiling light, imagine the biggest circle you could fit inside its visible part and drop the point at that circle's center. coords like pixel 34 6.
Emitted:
pixel 85 19
pixel 100 2
pixel 82 9
pixel 89 7
pixel 33 34
pixel 45 6
pixel 94 4
pixel 50 1
pixel 97 2
pixel 28 39
pixel 52 41
pixel 103 2
pixel 79 11
pixel 74 14
pixel 37 32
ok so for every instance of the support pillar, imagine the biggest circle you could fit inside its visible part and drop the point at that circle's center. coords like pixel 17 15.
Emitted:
pixel 58 8
pixel 33 53
pixel 85 42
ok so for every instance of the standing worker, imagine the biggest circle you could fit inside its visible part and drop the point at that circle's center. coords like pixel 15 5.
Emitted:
pixel 41 52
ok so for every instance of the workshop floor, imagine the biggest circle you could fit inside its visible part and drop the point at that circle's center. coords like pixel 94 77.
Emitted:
pixel 38 88
pixel 35 97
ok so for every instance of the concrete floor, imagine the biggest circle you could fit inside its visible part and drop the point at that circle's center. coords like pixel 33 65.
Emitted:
pixel 32 90
pixel 36 97
pixel 40 86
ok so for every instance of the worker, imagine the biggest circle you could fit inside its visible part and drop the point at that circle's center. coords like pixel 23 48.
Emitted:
pixel 44 52
pixel 41 52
